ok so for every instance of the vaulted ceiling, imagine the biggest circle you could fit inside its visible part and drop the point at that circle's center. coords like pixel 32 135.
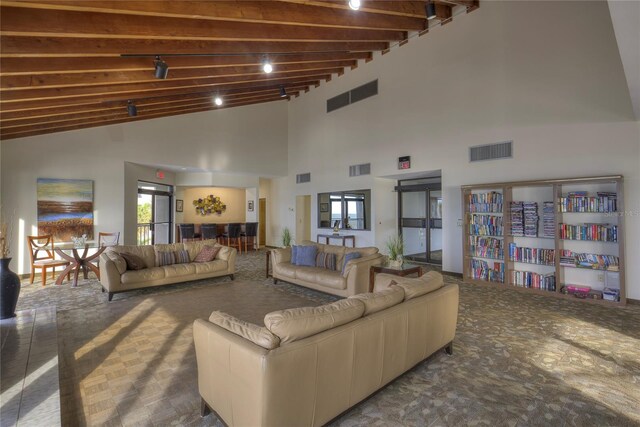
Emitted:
pixel 74 64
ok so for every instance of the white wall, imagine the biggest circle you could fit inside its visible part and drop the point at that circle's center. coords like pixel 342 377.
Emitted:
pixel 551 82
pixel 249 140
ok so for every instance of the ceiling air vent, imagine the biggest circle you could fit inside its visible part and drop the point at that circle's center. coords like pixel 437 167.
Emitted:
pixel 357 170
pixel 501 150
pixel 354 95
pixel 303 177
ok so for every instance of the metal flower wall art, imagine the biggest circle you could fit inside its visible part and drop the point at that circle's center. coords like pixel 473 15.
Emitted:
pixel 210 204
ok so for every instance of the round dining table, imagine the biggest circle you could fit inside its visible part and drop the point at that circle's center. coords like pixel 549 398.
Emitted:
pixel 77 261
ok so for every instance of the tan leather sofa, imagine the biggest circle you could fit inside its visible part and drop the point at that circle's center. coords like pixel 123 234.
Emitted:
pixel 355 279
pixel 115 277
pixel 308 365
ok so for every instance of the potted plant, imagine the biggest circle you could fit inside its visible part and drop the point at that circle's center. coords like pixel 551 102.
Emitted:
pixel 286 237
pixel 395 246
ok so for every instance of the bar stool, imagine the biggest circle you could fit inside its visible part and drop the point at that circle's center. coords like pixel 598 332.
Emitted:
pixel 209 231
pixel 233 236
pixel 251 231
pixel 187 232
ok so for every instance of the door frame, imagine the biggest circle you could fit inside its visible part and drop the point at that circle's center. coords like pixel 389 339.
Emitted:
pixel 154 193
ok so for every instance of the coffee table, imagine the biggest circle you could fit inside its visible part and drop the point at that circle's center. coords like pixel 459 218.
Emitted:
pixel 405 270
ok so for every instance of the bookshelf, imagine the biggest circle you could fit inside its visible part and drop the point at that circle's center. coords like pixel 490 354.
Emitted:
pixel 561 237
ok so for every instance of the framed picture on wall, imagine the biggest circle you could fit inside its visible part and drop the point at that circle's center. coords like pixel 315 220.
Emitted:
pixel 324 207
pixel 250 206
pixel 179 205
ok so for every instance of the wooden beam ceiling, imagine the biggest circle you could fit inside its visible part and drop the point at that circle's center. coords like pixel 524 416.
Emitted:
pixel 75 64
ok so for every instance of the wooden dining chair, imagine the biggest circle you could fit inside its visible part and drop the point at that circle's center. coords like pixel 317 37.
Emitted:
pixel 108 239
pixel 41 251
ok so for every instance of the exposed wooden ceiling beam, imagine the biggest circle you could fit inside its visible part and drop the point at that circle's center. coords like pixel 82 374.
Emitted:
pixel 11 83
pixel 26 46
pixel 413 9
pixel 60 23
pixel 270 12
pixel 52 65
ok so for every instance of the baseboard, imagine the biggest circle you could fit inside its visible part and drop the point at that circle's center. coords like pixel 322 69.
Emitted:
pixel 633 301
pixel 453 274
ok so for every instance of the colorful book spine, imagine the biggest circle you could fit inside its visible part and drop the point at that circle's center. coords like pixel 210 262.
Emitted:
pixel 579 201
pixel 481 270
pixel 591 261
pixel 490 202
pixel 590 232
pixel 485 225
pixel 529 279
pixel 548 219
pixel 532 255
pixel 486 247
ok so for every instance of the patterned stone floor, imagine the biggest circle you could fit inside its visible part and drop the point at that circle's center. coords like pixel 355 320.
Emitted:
pixel 518 359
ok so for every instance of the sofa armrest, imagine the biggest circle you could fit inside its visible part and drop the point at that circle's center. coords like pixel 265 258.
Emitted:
pixel 357 272
pixel 230 368
pixel 231 260
pixel 281 255
pixel 109 274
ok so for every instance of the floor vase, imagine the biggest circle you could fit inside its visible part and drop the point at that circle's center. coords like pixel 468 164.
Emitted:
pixel 9 289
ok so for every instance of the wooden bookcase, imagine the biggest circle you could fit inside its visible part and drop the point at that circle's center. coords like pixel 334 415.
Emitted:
pixel 581 246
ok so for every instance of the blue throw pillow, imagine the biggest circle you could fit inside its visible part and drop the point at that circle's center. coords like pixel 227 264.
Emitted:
pixel 294 254
pixel 348 257
pixel 307 256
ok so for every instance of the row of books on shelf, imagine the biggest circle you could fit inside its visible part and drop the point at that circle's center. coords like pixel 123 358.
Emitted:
pixel 548 219
pixel 529 279
pixel 593 261
pixel 580 201
pixel 483 225
pixel 592 232
pixel 531 255
pixel 487 247
pixel 481 270
pixel 485 208
pixel 491 197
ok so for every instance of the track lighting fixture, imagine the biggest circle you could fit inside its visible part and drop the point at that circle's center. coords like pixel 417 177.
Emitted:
pixel 267 67
pixel 218 101
pixel 431 10
pixel 162 69
pixel 132 109
pixel 354 4
pixel 283 92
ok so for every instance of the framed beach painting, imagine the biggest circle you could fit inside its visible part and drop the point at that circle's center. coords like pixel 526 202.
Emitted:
pixel 65 208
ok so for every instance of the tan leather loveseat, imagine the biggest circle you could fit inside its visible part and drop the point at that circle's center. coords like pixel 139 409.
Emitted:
pixel 308 365
pixel 115 277
pixel 354 280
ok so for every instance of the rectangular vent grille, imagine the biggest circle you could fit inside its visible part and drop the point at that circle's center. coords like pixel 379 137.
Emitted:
pixel 357 170
pixel 365 91
pixel 501 150
pixel 303 177
pixel 358 94
pixel 336 102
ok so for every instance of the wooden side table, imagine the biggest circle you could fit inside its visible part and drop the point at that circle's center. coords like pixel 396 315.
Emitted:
pixel 405 270
pixel 327 237
pixel 268 263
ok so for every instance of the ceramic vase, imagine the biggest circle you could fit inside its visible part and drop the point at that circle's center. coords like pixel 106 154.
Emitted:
pixel 9 289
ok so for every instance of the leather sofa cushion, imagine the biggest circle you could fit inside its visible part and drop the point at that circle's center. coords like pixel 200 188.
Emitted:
pixel 168 247
pixel 377 301
pixel 144 275
pixel 297 323
pixel 366 251
pixel 424 284
pixel 194 247
pixel 121 264
pixel 210 267
pixel 146 252
pixel 286 269
pixel 177 270
pixel 254 333
pixel 328 278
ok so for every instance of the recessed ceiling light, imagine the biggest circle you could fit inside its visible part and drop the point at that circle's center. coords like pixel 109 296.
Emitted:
pixel 218 101
pixel 354 4
pixel 267 67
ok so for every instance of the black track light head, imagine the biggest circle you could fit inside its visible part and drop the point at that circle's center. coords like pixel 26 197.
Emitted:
pixel 431 10
pixel 283 92
pixel 162 69
pixel 132 109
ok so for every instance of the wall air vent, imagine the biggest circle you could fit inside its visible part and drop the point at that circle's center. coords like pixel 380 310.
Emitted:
pixel 303 177
pixel 354 95
pixel 357 170
pixel 501 150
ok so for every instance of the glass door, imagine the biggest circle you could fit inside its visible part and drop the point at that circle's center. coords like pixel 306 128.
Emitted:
pixel 154 213
pixel 420 219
